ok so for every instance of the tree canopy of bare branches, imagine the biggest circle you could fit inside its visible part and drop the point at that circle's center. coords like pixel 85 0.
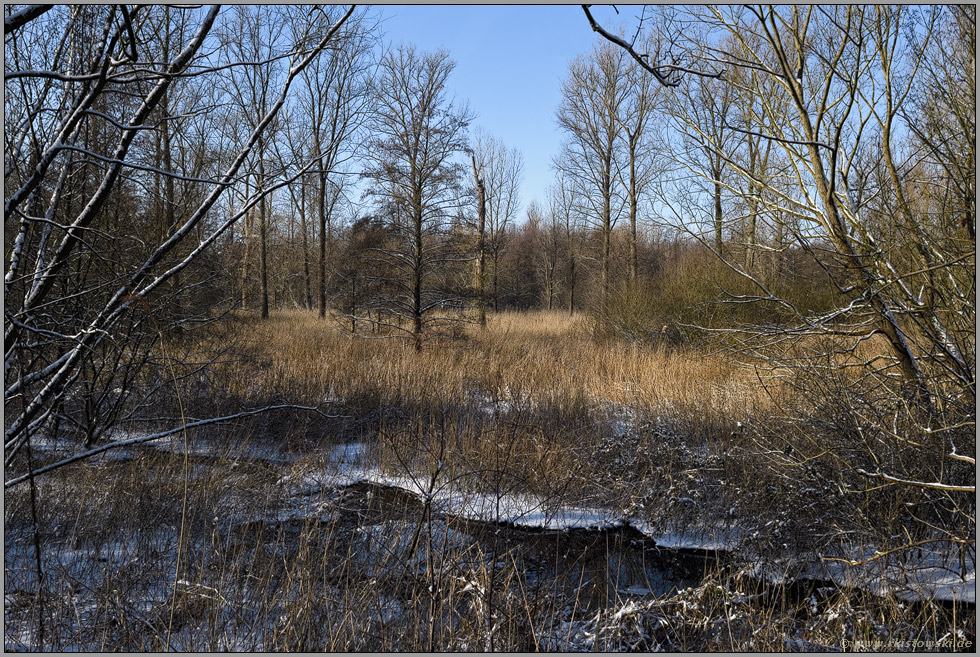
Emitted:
pixel 593 96
pixel 824 129
pixel 418 136
pixel 500 170
pixel 95 225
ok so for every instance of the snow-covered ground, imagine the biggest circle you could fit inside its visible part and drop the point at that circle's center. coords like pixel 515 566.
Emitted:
pixel 927 574
pixel 924 574
pixel 313 489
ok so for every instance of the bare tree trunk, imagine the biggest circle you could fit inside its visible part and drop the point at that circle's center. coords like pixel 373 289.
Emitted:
pixel 496 293
pixel 169 198
pixel 307 282
pixel 863 275
pixel 970 213
pixel 758 167
pixel 606 223
pixel 718 214
pixel 634 202
pixel 417 273
pixel 753 200
pixel 549 281
pixel 635 121
pixel 571 284
pixel 776 253
pixel 590 114
pixel 322 205
pixel 263 265
pixel 418 134
pixel 353 306
pixel 481 200
pixel 95 317
pixel 247 234
pixel 169 205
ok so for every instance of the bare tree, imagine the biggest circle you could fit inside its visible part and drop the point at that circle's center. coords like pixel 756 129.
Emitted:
pixel 418 134
pixel 547 231
pixel 254 35
pixel 501 170
pixel 335 103
pixel 592 101
pixel 565 206
pixel 481 246
pixel 703 111
pixel 756 166
pixel 830 84
pixel 942 114
pixel 640 148
pixel 551 256
pixel 295 136
pixel 822 140
pixel 845 100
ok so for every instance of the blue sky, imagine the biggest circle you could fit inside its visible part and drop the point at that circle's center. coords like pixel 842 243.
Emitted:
pixel 510 60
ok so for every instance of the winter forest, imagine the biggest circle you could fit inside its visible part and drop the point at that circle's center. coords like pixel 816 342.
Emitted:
pixel 293 360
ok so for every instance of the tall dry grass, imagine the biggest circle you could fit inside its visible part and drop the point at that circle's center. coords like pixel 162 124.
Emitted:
pixel 545 358
pixel 532 395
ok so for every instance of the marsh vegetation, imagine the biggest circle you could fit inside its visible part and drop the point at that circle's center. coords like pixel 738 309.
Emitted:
pixel 289 365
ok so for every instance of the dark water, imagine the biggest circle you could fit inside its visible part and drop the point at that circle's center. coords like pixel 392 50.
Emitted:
pixel 594 568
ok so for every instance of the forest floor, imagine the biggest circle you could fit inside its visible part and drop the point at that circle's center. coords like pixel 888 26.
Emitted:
pixel 519 487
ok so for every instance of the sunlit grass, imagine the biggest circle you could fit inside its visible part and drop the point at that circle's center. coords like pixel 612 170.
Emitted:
pixel 543 357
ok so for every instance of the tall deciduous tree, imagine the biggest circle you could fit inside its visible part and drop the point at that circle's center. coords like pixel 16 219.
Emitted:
pixel 641 164
pixel 82 296
pixel 481 243
pixel 501 170
pixel 590 112
pixel 845 94
pixel 254 35
pixel 544 232
pixel 831 92
pixel 335 103
pixel 703 110
pixel 869 112
pixel 418 138
pixel 566 207
pixel 942 114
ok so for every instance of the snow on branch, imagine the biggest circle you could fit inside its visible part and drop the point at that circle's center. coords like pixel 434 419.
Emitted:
pixel 23 16
pixel 922 484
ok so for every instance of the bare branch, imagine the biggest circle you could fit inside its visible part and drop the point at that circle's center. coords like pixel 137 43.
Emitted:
pixel 20 18
pixel 155 436
pixel 921 484
pixel 670 78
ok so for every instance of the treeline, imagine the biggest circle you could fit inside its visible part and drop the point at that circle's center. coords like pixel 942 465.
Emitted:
pixel 803 212
pixel 541 265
